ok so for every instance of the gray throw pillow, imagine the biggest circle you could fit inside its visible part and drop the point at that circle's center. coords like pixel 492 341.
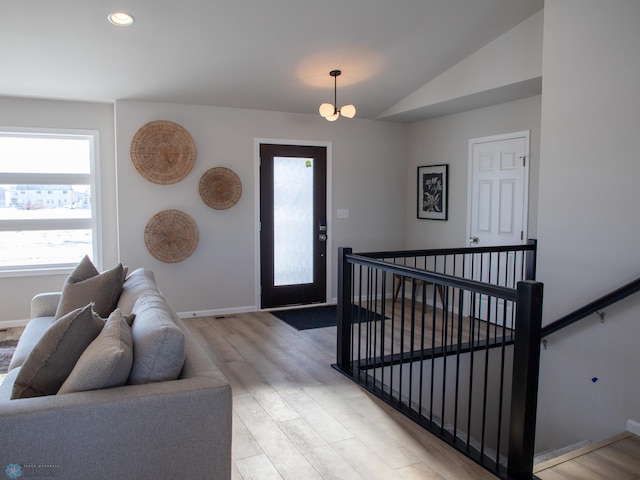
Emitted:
pixel 140 281
pixel 52 359
pixel 85 285
pixel 158 343
pixel 107 360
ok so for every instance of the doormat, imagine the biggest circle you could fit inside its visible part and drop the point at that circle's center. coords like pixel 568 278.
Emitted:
pixel 320 317
pixel 7 347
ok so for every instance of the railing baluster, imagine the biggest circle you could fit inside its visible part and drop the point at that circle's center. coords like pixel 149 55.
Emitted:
pixel 411 340
pixel 445 318
pixel 433 360
pixel 460 328
pixel 422 330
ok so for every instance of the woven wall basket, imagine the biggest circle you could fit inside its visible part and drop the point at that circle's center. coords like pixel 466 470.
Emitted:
pixel 171 236
pixel 220 188
pixel 163 152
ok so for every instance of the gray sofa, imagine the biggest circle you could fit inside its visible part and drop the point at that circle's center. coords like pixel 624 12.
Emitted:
pixel 165 429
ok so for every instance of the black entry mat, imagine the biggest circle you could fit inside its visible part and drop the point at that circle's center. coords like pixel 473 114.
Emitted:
pixel 320 317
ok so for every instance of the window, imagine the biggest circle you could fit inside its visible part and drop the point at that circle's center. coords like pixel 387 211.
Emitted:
pixel 48 204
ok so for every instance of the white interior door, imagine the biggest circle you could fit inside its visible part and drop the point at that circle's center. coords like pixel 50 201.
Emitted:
pixel 498 189
pixel 497 210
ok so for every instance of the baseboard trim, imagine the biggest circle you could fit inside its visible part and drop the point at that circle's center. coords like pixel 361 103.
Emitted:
pixel 4 324
pixel 633 427
pixel 217 312
pixel 579 452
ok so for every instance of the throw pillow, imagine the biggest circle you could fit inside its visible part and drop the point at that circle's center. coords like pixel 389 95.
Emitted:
pixel 107 360
pixel 158 343
pixel 52 359
pixel 85 285
pixel 140 281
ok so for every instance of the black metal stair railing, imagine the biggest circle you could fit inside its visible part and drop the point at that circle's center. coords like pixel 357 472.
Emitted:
pixel 609 299
pixel 458 352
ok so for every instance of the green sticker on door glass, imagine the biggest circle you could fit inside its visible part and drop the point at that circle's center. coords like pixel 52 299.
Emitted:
pixel 308 164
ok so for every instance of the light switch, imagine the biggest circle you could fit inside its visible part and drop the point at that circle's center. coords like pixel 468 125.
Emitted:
pixel 343 213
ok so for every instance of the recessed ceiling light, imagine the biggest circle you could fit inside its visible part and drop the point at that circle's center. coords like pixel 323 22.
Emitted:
pixel 121 19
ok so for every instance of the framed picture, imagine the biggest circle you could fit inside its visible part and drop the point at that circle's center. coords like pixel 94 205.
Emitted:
pixel 433 186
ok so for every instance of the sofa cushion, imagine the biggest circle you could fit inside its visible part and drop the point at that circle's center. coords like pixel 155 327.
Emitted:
pixel 56 353
pixel 85 285
pixel 107 360
pixel 158 343
pixel 139 281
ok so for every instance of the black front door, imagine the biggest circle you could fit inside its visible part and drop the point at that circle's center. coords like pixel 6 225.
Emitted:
pixel 293 227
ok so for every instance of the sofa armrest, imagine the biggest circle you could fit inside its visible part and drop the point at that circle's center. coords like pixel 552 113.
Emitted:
pixel 45 304
pixel 175 429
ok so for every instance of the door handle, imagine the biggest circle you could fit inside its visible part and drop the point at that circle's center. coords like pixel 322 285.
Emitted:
pixel 322 237
pixel 473 240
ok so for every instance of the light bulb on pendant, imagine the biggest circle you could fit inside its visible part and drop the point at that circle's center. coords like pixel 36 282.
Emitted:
pixel 348 111
pixel 326 109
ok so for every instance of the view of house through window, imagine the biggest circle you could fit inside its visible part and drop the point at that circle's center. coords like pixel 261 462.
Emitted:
pixel 47 210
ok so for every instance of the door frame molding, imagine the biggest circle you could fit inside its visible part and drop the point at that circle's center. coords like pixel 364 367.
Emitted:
pixel 256 175
pixel 526 134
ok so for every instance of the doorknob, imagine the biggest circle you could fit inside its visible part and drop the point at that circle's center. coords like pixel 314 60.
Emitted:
pixel 473 240
pixel 322 237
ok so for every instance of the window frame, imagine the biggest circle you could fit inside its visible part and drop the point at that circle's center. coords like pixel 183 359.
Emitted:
pixel 92 179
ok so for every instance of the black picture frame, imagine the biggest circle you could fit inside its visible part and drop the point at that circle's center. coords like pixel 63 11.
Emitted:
pixel 433 192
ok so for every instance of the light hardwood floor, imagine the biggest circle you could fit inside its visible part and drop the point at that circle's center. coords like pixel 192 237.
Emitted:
pixel 296 418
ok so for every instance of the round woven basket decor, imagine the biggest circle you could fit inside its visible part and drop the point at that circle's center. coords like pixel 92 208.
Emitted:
pixel 163 152
pixel 171 236
pixel 220 188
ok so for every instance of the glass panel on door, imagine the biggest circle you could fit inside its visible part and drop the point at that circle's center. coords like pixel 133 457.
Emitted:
pixel 293 232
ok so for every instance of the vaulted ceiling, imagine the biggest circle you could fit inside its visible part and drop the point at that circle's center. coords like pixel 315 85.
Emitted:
pixel 258 54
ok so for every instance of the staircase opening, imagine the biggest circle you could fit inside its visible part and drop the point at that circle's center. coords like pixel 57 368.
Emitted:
pixel 444 336
pixel 451 338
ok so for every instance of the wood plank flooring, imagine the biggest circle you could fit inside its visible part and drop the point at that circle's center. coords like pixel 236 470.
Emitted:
pixel 296 418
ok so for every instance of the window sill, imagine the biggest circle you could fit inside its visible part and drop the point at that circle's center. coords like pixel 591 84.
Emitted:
pixel 36 272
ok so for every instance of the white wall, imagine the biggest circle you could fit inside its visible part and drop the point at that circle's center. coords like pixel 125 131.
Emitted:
pixel 588 216
pixel 16 292
pixel 505 69
pixel 446 140
pixel 368 175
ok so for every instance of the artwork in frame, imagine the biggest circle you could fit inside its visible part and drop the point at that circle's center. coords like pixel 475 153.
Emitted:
pixel 433 185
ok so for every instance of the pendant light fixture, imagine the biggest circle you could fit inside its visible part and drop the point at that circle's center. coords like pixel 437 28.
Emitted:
pixel 332 112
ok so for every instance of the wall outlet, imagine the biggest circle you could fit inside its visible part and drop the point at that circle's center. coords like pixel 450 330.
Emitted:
pixel 343 213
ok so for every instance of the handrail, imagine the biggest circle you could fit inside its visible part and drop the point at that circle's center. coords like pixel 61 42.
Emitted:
pixel 609 299
pixel 439 278
pixel 531 245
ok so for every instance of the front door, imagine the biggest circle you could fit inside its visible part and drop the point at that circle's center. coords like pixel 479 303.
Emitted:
pixel 293 226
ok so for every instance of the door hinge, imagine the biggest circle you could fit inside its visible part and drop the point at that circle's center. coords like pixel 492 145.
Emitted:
pixel 521 235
